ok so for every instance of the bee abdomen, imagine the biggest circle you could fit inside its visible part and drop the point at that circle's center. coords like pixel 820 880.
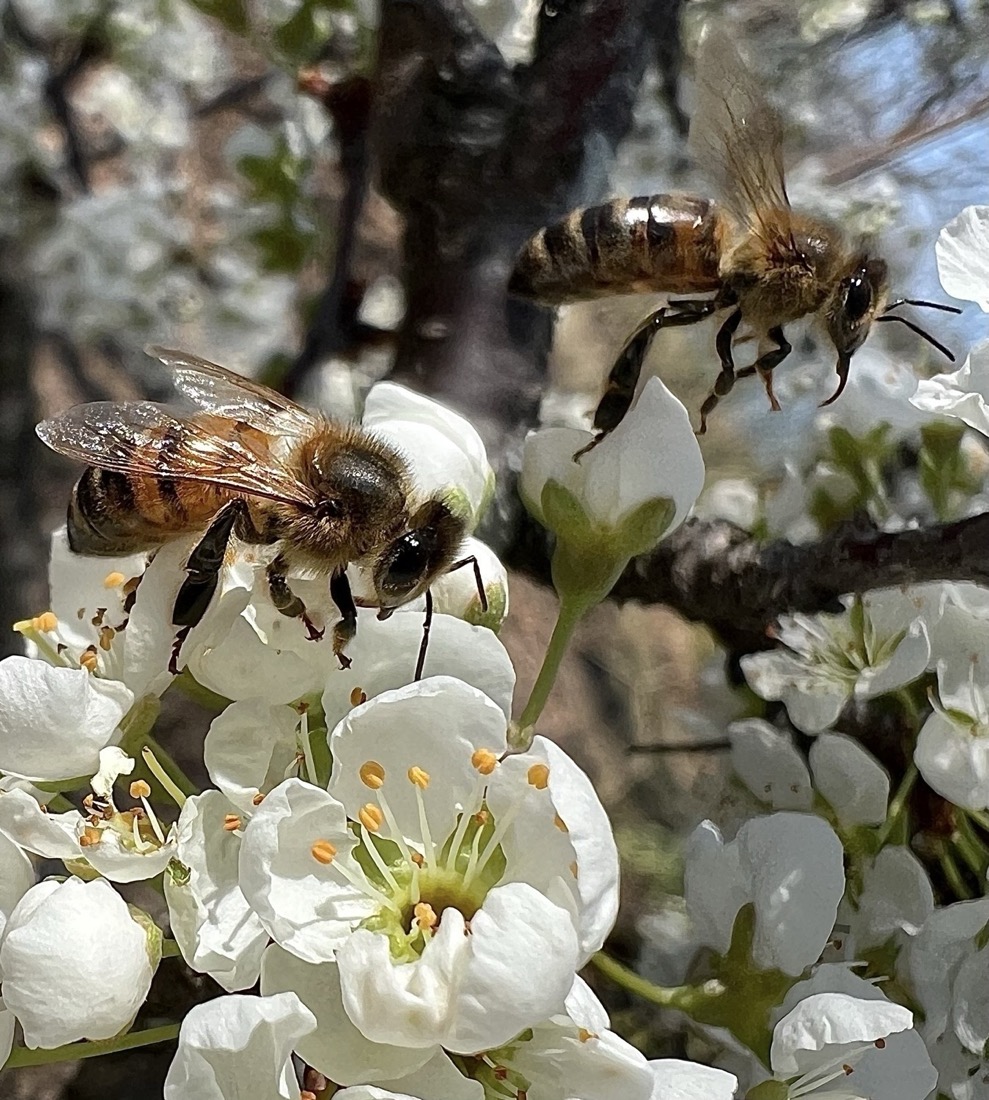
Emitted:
pixel 627 246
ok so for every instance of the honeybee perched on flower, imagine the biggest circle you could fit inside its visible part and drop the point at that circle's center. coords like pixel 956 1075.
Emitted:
pixel 757 257
pixel 248 463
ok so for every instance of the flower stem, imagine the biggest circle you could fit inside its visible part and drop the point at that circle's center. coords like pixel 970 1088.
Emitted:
pixel 24 1056
pixel 569 615
pixel 897 804
pixel 684 997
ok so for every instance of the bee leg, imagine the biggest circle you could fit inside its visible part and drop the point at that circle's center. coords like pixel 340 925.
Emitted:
pixel 472 561
pixel 427 623
pixel 624 377
pixel 286 601
pixel 765 364
pixel 346 628
pixel 726 379
pixel 203 574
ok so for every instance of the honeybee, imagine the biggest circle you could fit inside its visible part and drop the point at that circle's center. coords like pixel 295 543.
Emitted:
pixel 754 255
pixel 252 465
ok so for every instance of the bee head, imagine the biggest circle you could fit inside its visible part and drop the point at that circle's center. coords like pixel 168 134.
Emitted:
pixel 412 561
pixel 856 301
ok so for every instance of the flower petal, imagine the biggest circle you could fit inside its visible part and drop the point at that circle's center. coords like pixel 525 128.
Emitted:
pixel 963 256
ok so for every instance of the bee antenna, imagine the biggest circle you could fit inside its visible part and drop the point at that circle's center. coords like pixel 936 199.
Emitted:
pixel 920 302
pixel 920 332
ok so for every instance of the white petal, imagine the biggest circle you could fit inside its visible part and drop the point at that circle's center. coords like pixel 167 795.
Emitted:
pixel 677 1080
pixel 114 763
pixel 16 878
pixel 455 593
pixel 953 762
pixel 963 256
pixel 443 449
pixel 434 724
pixel 336 1048
pixel 962 393
pixel 768 763
pixel 75 964
pixel 239 1048
pixel 714 885
pixel 438 1079
pixel 7 1024
pixel 813 1033
pixel 215 929
pixel 465 992
pixel 548 456
pixel 384 657
pixel 853 782
pixel 54 721
pixel 971 1008
pixel 896 895
pixel 813 699
pixel 652 453
pixel 248 749
pixel 306 906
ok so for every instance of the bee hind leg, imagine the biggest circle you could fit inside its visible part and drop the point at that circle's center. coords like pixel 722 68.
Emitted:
pixel 726 379
pixel 765 364
pixel 624 377
pixel 286 601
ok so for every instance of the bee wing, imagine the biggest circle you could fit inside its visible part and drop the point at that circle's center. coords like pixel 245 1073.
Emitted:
pixel 143 438
pixel 218 390
pixel 737 137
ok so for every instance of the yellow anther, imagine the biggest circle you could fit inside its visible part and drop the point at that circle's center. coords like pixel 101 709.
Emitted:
pixel 418 777
pixel 372 775
pixel 417 858
pixel 560 823
pixel 538 776
pixel 232 822
pixel 358 696
pixel 90 837
pixel 45 622
pixel 106 637
pixel 257 799
pixel 323 852
pixel 370 817
pixel 484 761
pixel 583 1035
pixel 140 789
pixel 89 660
pixel 113 580
pixel 482 817
pixel 573 868
pixel 426 915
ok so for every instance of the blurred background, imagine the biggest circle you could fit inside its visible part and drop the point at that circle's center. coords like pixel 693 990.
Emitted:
pixel 320 193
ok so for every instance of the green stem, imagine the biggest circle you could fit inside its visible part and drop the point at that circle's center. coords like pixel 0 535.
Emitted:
pixel 684 997
pixel 174 773
pixel 954 876
pixel 23 1056
pixel 571 612
pixel 979 817
pixel 170 949
pixel 897 804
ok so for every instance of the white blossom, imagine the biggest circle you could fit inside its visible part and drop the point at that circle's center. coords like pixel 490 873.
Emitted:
pixel 788 866
pixel 239 1048
pixel 962 393
pixel 768 763
pixel 75 963
pixel 16 878
pixel 854 784
pixel 952 750
pixel 963 256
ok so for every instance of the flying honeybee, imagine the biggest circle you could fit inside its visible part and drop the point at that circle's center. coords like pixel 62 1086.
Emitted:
pixel 252 465
pixel 754 255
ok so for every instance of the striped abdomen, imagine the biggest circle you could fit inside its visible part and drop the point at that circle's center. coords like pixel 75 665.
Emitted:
pixel 115 513
pixel 627 246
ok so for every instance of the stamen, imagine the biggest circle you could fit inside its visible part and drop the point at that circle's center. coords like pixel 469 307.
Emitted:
pixel 560 823
pixel 370 817
pixel 484 761
pixel 307 746
pixel 90 837
pixel 232 822
pixel 89 660
pixel 113 580
pixel 106 637
pixel 538 776
pixel 501 827
pixel 45 622
pixel 257 799
pixel 880 1044
pixel 163 777
pixel 574 869
pixel 323 852
pixel 583 1035
pixel 372 775
pixel 383 868
pixel 358 696
pixel 153 821
pixel 418 778
pixel 140 843
pixel 461 831
pixel 426 916
pixel 848 1069
pixel 139 789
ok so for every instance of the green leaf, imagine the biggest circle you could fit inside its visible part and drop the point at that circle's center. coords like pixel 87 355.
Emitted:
pixel 232 14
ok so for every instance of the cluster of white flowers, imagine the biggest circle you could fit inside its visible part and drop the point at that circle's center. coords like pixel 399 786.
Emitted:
pixel 413 894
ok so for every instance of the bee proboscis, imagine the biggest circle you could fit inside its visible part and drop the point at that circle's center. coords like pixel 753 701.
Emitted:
pixel 250 464
pixel 750 251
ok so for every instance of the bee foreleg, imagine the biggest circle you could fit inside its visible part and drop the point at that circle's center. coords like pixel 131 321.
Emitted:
pixel 346 628
pixel 726 379
pixel 427 624
pixel 286 601
pixel 204 564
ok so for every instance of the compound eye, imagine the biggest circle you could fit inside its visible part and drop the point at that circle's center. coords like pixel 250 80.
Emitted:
pixel 407 562
pixel 858 298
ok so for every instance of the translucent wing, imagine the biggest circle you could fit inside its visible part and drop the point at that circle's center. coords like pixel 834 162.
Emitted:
pixel 144 438
pixel 737 137
pixel 218 390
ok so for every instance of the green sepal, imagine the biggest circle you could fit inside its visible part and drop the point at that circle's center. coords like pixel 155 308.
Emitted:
pixel 564 514
pixel 768 1090
pixel 152 933
pixel 643 528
